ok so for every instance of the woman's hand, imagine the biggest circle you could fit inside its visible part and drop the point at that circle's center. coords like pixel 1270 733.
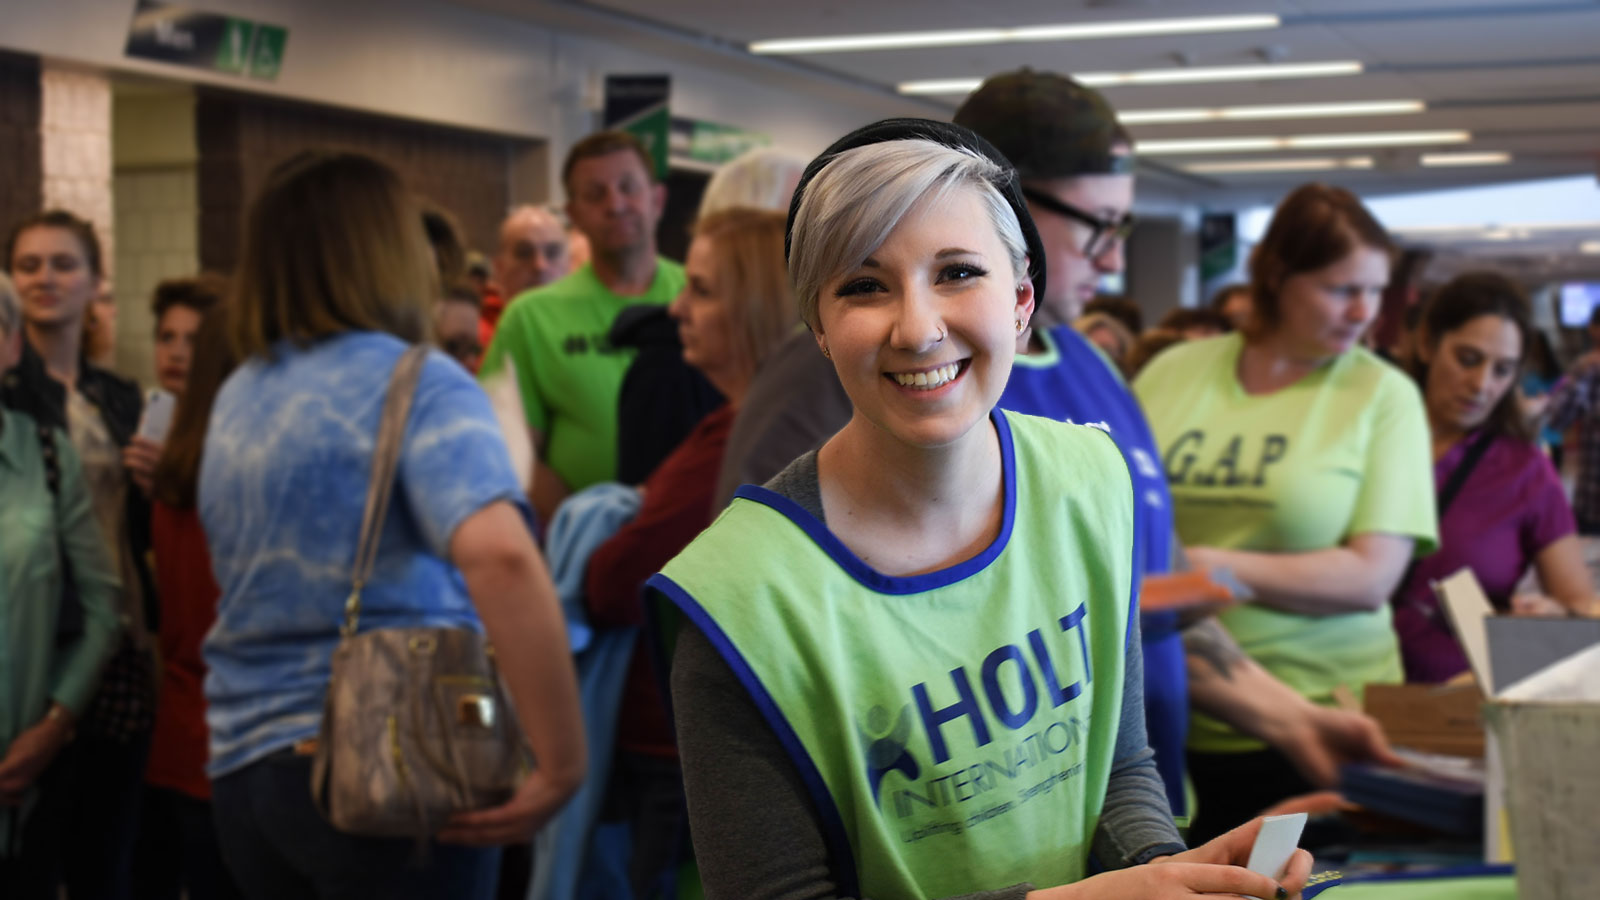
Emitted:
pixel 29 755
pixel 1233 849
pixel 517 601
pixel 1320 740
pixel 535 803
pixel 139 458
pixel 1538 605
pixel 1170 879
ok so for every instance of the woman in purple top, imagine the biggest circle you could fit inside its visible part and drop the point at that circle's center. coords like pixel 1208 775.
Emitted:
pixel 1510 510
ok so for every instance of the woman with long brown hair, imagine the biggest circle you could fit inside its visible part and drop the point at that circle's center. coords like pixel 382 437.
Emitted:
pixel 1502 506
pixel 178 845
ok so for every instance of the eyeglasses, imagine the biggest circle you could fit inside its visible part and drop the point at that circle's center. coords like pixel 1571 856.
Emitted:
pixel 1103 233
pixel 463 349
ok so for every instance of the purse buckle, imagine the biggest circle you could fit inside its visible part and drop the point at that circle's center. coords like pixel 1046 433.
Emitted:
pixel 475 710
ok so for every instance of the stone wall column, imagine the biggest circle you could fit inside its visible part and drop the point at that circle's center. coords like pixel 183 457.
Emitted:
pixel 75 137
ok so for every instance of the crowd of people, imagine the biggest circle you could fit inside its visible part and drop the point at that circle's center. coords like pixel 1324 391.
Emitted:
pixel 832 569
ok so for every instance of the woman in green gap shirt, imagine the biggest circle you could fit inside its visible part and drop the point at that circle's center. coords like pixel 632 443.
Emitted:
pixel 1300 461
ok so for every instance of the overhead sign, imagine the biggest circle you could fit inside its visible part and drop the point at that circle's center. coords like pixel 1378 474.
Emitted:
pixel 712 143
pixel 638 104
pixel 203 40
pixel 1219 246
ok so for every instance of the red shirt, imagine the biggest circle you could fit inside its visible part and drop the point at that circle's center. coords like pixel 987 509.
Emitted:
pixel 677 507
pixel 489 314
pixel 188 595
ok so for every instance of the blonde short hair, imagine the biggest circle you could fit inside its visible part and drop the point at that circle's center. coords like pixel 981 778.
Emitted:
pixel 760 179
pixel 855 202
pixel 333 243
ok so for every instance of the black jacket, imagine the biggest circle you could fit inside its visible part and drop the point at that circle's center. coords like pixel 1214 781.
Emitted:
pixel 662 397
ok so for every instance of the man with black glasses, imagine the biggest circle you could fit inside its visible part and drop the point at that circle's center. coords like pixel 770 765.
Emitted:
pixel 1076 163
pixel 1077 168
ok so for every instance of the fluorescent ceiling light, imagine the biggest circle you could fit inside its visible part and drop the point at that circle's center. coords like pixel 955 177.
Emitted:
pixel 1379 139
pixel 1301 142
pixel 902 40
pixel 1465 159
pixel 1520 226
pixel 1309 164
pixel 1275 111
pixel 1160 76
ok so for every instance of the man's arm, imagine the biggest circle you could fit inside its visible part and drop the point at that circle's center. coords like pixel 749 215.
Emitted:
pixel 1227 684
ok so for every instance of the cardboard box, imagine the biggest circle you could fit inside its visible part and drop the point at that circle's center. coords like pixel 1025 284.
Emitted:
pixel 1431 718
pixel 1543 786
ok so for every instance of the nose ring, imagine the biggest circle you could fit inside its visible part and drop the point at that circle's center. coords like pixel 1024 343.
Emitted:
pixel 940 339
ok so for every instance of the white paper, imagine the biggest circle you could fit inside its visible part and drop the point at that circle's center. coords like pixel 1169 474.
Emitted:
pixel 1462 597
pixel 1275 843
pixel 1576 678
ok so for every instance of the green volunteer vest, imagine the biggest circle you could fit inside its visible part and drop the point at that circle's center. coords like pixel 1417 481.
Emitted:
pixel 954 729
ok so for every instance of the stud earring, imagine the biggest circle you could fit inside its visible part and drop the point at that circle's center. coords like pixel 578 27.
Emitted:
pixel 825 353
pixel 1019 324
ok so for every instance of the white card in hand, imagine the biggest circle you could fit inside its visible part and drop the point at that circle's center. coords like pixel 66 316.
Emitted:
pixel 1275 843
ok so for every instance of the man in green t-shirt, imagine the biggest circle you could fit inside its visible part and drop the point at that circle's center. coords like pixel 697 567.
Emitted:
pixel 568 372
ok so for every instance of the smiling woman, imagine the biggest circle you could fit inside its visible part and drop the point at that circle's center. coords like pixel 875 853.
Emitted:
pixel 944 618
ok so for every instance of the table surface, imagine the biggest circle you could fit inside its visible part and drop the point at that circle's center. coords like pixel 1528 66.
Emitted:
pixel 1499 886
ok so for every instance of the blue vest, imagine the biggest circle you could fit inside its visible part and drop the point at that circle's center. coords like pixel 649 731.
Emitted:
pixel 1073 382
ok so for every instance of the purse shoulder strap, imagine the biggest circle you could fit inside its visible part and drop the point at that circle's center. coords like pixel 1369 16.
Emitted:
pixel 380 486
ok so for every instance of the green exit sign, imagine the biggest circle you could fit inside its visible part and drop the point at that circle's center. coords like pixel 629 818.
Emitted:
pixel 203 40
pixel 267 56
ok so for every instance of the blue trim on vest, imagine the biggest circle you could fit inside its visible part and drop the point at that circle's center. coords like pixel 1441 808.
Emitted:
pixel 1136 565
pixel 1434 875
pixel 871 578
pixel 833 830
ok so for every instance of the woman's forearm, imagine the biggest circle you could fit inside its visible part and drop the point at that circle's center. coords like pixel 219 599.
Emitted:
pixel 1565 576
pixel 515 598
pixel 1357 577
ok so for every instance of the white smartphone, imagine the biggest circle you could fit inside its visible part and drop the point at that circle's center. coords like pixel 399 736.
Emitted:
pixel 157 418
pixel 1275 843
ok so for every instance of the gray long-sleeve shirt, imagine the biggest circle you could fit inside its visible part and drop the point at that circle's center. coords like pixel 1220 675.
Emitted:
pixel 774 848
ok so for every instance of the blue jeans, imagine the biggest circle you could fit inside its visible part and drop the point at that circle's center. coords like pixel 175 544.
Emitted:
pixel 277 845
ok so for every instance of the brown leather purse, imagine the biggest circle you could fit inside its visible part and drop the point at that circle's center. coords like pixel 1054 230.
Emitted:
pixel 417 724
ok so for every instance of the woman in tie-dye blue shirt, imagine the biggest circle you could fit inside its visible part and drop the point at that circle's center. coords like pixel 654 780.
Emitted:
pixel 334 283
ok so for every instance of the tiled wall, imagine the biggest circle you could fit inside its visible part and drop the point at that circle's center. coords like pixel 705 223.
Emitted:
pixel 75 140
pixel 157 214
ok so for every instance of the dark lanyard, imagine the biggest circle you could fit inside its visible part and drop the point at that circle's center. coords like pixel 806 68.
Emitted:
pixel 1452 488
